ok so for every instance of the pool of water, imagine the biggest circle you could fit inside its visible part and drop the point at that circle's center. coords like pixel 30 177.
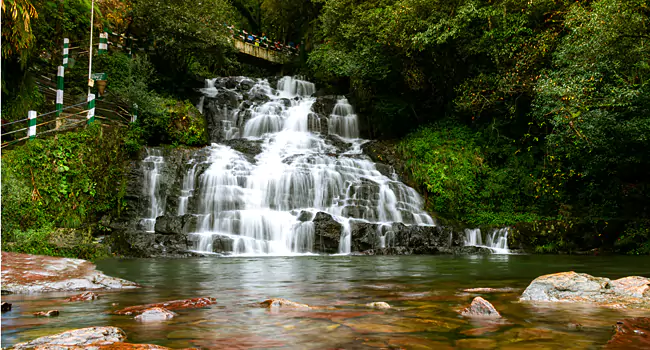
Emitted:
pixel 425 293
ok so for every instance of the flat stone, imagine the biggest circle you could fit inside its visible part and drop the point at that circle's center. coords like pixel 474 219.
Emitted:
pixel 631 333
pixel 26 273
pixel 480 308
pixel 378 305
pixel 280 303
pixel 130 346
pixel 97 336
pixel 169 305
pixel 155 314
pixel 491 290
pixel 84 297
pixel 581 287
pixel 50 313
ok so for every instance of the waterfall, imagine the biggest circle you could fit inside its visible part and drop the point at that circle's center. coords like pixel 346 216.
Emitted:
pixel 251 206
pixel 496 240
pixel 152 165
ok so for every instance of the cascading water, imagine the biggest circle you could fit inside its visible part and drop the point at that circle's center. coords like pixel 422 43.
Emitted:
pixel 252 206
pixel 496 240
pixel 152 165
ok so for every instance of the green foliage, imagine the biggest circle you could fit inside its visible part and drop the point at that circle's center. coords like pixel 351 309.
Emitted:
pixel 635 240
pixel 43 241
pixel 65 181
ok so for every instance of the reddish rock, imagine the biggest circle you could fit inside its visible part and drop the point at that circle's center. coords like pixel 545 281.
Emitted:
pixel 631 333
pixel 480 308
pixel 50 313
pixel 26 273
pixel 169 305
pixel 280 303
pixel 84 297
pixel 155 314
pixel 6 307
pixel 129 346
pixel 96 336
pixel 581 287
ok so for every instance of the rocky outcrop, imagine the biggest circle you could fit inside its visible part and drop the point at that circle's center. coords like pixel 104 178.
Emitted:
pixel 581 287
pixel 327 233
pixel 279 303
pixel 168 305
pixel 480 308
pixel 631 333
pixel 155 314
pixel 25 273
pixel 95 336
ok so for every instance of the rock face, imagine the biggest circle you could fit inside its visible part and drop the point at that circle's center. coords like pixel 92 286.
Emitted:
pixel 168 305
pixel 84 297
pixel 631 333
pixel 327 233
pixel 155 314
pixel 97 336
pixel 581 287
pixel 480 308
pixel 25 273
pixel 275 304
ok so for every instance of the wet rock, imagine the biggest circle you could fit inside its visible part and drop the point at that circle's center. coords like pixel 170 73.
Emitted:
pixel 246 84
pixel 327 233
pixel 155 314
pixel 142 244
pixel 581 287
pixel 50 313
pixel 305 216
pixel 84 297
pixel 491 290
pixel 96 336
pixel 324 105
pixel 169 305
pixel 249 148
pixel 378 305
pixel 631 333
pixel 480 308
pixel 280 303
pixel 25 273
pixel 175 225
pixel 222 244
pixel 6 306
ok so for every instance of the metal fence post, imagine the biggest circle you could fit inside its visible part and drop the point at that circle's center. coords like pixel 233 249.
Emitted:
pixel 31 132
pixel 59 91
pixel 91 109
pixel 66 44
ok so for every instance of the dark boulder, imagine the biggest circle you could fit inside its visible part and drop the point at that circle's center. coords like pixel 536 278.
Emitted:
pixel 176 225
pixel 324 105
pixel 249 148
pixel 327 233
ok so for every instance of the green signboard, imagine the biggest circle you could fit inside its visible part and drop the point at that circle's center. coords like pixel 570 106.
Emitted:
pixel 98 76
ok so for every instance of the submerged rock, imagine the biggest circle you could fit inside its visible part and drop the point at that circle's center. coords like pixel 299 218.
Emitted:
pixel 280 303
pixel 26 273
pixel 96 336
pixel 480 308
pixel 84 297
pixel 50 313
pixel 631 333
pixel 155 314
pixel 581 287
pixel 168 305
pixel 6 306
pixel 378 305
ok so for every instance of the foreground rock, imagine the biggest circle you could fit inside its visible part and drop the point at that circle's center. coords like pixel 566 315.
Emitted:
pixel 97 336
pixel 6 306
pixel 50 313
pixel 168 305
pixel 480 308
pixel 275 304
pixel 25 273
pixel 632 333
pixel 581 287
pixel 155 314
pixel 84 297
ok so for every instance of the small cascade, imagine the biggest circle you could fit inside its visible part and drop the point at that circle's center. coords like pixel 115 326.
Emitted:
pixel 496 240
pixel 152 165
pixel 253 206
pixel 343 121
pixel 187 190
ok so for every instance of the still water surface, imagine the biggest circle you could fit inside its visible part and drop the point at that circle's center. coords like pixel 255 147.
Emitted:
pixel 425 292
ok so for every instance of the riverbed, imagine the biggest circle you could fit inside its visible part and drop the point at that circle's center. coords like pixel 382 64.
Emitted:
pixel 425 293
